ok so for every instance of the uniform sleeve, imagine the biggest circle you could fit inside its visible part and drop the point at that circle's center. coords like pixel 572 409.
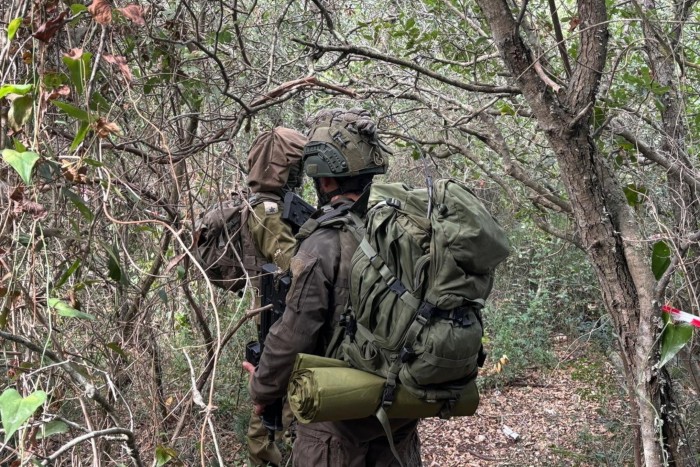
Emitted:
pixel 272 236
pixel 300 327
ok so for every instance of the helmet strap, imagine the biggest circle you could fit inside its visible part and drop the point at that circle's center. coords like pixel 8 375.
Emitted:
pixel 325 198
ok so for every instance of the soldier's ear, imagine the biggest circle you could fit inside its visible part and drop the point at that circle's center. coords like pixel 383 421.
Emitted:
pixel 328 184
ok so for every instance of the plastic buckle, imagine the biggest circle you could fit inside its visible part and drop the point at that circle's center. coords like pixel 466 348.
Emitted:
pixel 351 329
pixel 406 354
pixel 394 203
pixel 388 395
pixel 425 312
pixel 397 287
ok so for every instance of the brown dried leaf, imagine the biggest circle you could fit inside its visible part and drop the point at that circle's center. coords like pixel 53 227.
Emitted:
pixel 174 262
pixel 47 30
pixel 36 210
pixel 121 63
pixel 573 24
pixel 17 194
pixel 134 13
pixel 75 174
pixel 74 54
pixel 62 91
pixel 104 128
pixel 101 11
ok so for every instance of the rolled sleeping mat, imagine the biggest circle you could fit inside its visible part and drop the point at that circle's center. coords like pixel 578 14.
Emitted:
pixel 332 393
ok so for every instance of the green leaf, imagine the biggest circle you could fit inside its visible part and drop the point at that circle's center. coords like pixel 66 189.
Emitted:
pixel 505 109
pixel 92 162
pixel 66 275
pixel 116 348
pixel 660 259
pixel 635 194
pixel 13 27
pixel 73 111
pixel 19 147
pixel 115 271
pixel 54 427
pixel 79 136
pixel 79 69
pixel 673 339
pixel 63 309
pixel 164 455
pixel 22 162
pixel 19 89
pixel 15 409
pixel 77 8
pixel 78 202
pixel 20 111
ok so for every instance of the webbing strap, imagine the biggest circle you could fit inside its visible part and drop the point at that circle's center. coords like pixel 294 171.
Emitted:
pixel 384 421
pixel 391 280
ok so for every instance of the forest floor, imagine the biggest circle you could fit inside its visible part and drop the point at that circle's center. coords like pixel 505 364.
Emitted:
pixel 571 415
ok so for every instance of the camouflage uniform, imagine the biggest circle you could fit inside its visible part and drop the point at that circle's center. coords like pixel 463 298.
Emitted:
pixel 269 160
pixel 318 295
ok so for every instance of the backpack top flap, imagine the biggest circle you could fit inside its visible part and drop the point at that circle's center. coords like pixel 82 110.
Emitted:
pixel 467 244
pixel 272 157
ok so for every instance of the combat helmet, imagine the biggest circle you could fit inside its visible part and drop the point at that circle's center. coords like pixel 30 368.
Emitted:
pixel 344 143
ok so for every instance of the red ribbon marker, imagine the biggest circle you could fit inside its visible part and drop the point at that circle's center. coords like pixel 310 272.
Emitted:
pixel 682 315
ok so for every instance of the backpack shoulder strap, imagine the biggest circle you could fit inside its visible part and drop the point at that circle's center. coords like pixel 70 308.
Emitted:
pixel 324 217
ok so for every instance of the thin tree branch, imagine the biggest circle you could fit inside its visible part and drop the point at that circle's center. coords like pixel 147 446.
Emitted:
pixel 559 37
pixel 369 53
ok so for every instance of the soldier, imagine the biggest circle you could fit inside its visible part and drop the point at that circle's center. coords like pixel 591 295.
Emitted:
pixel 342 156
pixel 274 168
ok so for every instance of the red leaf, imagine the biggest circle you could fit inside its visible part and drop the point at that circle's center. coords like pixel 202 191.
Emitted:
pixel 101 11
pixel 47 30
pixel 134 13
pixel 121 63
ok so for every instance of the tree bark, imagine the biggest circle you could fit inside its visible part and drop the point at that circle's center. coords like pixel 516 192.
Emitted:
pixel 609 233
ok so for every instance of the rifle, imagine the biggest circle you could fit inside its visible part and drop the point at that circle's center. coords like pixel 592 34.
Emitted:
pixel 273 291
pixel 296 211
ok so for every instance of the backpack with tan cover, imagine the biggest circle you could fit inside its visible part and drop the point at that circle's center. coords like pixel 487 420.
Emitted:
pixel 222 244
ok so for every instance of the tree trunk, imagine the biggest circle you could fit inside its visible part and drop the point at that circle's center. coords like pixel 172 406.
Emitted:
pixel 608 231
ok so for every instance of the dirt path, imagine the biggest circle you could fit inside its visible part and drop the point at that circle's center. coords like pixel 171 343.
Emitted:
pixel 570 416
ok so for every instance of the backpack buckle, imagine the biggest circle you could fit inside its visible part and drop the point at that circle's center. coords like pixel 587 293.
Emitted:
pixel 407 353
pixel 425 312
pixel 394 203
pixel 397 287
pixel 388 395
pixel 351 328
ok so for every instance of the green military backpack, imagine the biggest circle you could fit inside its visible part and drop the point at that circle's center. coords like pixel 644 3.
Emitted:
pixel 419 279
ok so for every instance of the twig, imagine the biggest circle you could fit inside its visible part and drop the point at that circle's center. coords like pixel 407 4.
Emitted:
pixel 370 53
pixel 543 76
pixel 521 16
pixel 88 388
pixel 126 435
pixel 302 82
pixel 559 37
